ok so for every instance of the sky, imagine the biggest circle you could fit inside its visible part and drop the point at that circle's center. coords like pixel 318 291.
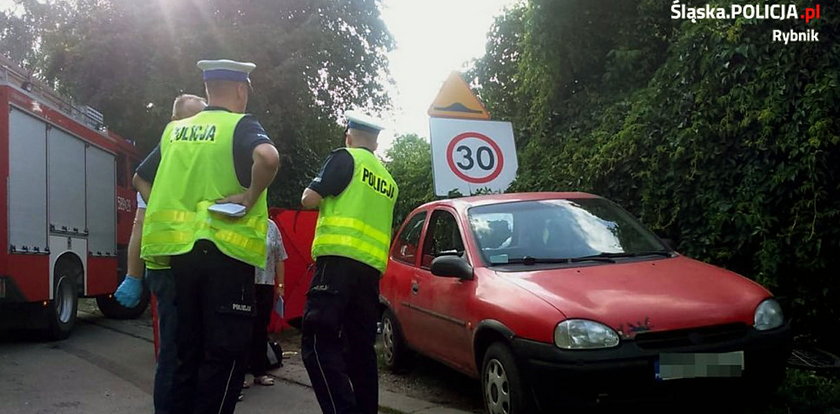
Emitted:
pixel 433 38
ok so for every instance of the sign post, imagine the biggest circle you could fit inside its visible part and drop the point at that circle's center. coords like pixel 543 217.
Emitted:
pixel 469 152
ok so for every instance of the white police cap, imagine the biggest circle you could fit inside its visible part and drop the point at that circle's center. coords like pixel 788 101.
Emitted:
pixel 363 122
pixel 225 69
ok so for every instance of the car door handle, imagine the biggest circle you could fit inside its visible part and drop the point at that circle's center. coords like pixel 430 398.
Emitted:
pixel 415 288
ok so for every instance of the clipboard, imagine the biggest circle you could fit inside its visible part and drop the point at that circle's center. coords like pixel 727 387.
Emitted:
pixel 228 209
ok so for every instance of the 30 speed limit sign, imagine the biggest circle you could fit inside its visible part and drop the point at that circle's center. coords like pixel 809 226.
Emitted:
pixel 475 158
pixel 469 155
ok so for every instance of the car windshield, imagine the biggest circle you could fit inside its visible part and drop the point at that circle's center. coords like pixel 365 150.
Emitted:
pixel 558 231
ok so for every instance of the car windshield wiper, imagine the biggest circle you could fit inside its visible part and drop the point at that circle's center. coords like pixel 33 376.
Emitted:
pixel 637 254
pixel 597 257
pixel 609 255
pixel 528 260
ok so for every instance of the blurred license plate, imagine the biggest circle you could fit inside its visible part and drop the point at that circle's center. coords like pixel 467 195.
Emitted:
pixel 699 365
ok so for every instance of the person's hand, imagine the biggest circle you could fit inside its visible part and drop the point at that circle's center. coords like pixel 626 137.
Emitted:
pixel 129 292
pixel 279 290
pixel 244 199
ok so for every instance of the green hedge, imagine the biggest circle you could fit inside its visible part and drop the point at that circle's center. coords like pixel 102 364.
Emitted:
pixel 723 141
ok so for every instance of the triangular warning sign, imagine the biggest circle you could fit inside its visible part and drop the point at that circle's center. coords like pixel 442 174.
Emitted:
pixel 456 100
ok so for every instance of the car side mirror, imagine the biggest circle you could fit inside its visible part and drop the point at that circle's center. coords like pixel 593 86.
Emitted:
pixel 452 266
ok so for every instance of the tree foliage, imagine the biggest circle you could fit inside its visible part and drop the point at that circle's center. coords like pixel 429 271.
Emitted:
pixel 711 133
pixel 411 166
pixel 129 59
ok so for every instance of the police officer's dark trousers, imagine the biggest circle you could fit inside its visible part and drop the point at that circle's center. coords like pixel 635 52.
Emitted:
pixel 162 284
pixel 339 332
pixel 215 301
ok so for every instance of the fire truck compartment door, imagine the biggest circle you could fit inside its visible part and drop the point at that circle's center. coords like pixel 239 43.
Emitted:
pixel 101 202
pixel 27 182
pixel 66 182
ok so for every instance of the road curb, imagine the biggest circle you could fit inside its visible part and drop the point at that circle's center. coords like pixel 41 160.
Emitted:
pixel 389 402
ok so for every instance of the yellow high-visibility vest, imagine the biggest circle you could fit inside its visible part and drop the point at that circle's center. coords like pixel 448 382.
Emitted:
pixel 357 222
pixel 196 169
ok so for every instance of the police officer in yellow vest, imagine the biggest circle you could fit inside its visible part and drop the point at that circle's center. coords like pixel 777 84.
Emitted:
pixel 356 196
pixel 220 155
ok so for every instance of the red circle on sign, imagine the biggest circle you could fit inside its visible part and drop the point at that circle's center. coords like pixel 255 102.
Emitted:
pixel 454 168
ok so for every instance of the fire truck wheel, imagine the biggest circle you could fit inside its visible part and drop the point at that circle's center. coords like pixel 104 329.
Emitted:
pixel 62 309
pixel 112 309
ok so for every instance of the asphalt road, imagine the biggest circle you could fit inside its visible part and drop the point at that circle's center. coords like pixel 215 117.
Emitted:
pixel 106 366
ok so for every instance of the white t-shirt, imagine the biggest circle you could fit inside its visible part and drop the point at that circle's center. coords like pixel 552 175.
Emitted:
pixel 140 202
pixel 274 251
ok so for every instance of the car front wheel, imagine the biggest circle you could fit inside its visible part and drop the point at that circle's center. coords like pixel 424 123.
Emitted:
pixel 502 385
pixel 394 350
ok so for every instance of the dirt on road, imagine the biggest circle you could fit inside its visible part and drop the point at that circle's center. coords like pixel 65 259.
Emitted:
pixel 427 380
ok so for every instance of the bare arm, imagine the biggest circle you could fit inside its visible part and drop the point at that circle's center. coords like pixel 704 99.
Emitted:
pixel 310 199
pixel 266 163
pixel 279 278
pixel 135 264
pixel 143 187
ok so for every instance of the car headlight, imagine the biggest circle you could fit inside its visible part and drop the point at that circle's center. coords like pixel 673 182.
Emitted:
pixel 768 315
pixel 583 334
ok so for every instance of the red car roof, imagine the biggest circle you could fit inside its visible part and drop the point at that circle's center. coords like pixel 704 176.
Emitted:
pixel 482 200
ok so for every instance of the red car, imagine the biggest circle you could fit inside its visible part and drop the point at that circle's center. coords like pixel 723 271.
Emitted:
pixel 547 294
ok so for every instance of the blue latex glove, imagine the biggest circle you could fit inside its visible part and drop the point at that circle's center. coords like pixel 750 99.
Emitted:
pixel 129 292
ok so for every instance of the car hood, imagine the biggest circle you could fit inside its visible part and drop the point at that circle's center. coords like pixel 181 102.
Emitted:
pixel 649 295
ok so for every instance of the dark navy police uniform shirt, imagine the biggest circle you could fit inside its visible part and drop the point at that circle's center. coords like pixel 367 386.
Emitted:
pixel 246 136
pixel 335 175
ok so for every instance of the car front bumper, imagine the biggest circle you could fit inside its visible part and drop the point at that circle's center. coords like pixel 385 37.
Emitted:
pixel 631 366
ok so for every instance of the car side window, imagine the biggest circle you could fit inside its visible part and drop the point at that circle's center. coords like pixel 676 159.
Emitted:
pixel 442 237
pixel 409 240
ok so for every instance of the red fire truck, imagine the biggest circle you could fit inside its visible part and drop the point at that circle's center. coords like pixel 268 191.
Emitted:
pixel 66 207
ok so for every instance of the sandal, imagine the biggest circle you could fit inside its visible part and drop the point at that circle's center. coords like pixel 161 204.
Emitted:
pixel 264 380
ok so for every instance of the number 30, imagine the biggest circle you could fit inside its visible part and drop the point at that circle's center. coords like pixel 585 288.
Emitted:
pixel 466 152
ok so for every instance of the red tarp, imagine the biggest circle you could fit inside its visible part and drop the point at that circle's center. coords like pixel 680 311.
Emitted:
pixel 298 230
